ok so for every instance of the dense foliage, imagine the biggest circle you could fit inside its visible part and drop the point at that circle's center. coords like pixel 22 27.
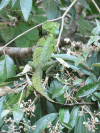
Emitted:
pixel 45 92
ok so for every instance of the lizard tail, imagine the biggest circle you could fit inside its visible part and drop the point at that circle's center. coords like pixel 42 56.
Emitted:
pixel 37 83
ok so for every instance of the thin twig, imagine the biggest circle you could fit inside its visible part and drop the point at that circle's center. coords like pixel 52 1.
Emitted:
pixel 22 92
pixel 63 22
pixel 41 24
pixel 96 5
pixel 21 35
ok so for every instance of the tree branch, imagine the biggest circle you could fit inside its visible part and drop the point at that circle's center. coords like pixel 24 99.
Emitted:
pixel 17 51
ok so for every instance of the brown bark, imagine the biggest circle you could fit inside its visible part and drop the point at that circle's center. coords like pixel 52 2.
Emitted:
pixel 18 52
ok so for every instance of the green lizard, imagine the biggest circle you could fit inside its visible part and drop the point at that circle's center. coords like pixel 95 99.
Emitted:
pixel 42 52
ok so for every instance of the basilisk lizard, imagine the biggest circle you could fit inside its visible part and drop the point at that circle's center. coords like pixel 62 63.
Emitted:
pixel 42 53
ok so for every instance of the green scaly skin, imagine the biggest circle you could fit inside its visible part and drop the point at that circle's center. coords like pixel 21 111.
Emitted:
pixel 42 53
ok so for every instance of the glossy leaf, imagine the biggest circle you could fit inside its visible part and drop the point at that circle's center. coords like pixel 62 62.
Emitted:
pixel 73 116
pixel 26 6
pixel 67 57
pixel 80 68
pixel 1 104
pixel 1 108
pixel 32 35
pixel 86 53
pixel 17 113
pixel 64 115
pixel 77 82
pixel 37 113
pixel 98 24
pixel 66 125
pixel 5 112
pixel 81 30
pixel 51 9
pixel 7 67
pixel 80 127
pixel 13 2
pixel 42 123
pixel 50 107
pixel 4 3
pixel 85 24
pixel 96 64
pixel 67 3
pixel 97 94
pixel 95 31
pixel 89 80
pixel 7 33
pixel 92 59
pixel 22 41
pixel 93 39
pixel 84 3
pixel 78 60
pixel 60 91
pixel 88 89
pixel 14 98
pixel 37 19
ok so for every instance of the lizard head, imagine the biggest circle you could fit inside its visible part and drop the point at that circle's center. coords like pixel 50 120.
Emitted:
pixel 51 27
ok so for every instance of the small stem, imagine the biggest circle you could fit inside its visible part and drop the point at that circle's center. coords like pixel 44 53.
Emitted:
pixel 96 5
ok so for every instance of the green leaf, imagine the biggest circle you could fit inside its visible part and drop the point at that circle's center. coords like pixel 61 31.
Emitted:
pixel 4 3
pixel 5 127
pixel 67 57
pixel 51 9
pixel 61 80
pixel 81 30
pixel 22 41
pixel 7 67
pixel 3 13
pixel 80 127
pixel 1 104
pixel 14 98
pixel 79 68
pixel 95 31
pixel 89 80
pixel 96 64
pixel 84 3
pixel 72 11
pixel 13 2
pixel 5 112
pixel 54 86
pixel 26 6
pixel 97 94
pixel 78 60
pixel 17 114
pixel 60 91
pixel 37 113
pixel 92 59
pixel 50 107
pixel 66 125
pixel 42 123
pixel 73 116
pixel 87 89
pixel 86 53
pixel 93 39
pixel 37 19
pixel 32 35
pixel 7 33
pixel 1 108
pixel 77 82
pixel 5 104
pixel 98 24
pixel 29 39
pixel 85 24
pixel 64 115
